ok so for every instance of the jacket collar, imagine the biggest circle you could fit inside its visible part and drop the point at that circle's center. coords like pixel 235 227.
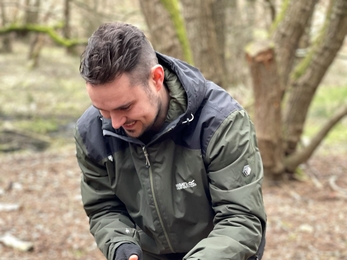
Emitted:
pixel 191 80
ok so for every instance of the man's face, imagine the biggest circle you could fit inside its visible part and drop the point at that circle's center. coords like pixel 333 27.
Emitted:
pixel 131 107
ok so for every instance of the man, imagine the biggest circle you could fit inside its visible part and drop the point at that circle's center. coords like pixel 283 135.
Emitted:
pixel 171 168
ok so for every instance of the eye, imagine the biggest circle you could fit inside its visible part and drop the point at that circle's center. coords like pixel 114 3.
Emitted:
pixel 125 108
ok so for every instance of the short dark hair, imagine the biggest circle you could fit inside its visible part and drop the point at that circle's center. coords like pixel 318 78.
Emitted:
pixel 114 49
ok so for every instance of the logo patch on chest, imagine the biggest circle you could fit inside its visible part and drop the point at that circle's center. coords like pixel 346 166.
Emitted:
pixel 185 185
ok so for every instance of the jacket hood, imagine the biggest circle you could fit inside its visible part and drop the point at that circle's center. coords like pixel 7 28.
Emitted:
pixel 192 81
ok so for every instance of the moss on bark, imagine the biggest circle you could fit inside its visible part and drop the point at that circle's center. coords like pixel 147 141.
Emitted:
pixel 49 30
pixel 172 7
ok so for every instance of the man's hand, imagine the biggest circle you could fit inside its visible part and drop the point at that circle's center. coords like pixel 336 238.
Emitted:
pixel 128 251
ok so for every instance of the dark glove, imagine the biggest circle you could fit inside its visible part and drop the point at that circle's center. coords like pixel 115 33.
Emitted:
pixel 124 251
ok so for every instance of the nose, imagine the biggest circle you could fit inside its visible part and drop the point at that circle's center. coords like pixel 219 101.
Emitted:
pixel 117 120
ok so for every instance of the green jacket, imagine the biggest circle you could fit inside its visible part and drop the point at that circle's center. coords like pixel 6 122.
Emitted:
pixel 192 192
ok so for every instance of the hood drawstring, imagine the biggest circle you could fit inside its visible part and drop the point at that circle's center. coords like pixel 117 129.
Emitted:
pixel 188 120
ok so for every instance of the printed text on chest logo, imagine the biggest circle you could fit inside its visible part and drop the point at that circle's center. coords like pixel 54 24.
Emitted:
pixel 185 185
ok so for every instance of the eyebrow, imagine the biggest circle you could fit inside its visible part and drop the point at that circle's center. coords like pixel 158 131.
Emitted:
pixel 117 108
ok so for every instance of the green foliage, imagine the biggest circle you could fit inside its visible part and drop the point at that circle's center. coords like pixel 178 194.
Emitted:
pixel 327 100
pixel 37 125
pixel 300 174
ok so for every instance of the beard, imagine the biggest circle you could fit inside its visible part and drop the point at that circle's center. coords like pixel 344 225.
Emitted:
pixel 152 127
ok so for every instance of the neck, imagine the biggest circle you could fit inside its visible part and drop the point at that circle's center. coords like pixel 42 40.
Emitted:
pixel 163 108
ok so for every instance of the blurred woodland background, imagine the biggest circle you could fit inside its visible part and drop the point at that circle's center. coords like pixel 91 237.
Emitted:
pixel 283 60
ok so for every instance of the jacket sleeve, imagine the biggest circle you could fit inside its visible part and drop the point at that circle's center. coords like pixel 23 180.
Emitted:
pixel 235 174
pixel 109 221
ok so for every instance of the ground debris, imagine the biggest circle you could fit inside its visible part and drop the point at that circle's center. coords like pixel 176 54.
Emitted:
pixel 14 242
pixel 9 207
pixel 341 191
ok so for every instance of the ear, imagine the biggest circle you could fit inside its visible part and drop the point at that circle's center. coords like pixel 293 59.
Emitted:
pixel 157 76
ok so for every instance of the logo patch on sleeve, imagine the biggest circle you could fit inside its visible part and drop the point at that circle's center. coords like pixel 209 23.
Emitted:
pixel 246 170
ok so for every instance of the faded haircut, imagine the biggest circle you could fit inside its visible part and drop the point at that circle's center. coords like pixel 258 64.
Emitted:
pixel 114 49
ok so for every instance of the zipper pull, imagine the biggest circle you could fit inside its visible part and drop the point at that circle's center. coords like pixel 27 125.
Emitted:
pixel 148 164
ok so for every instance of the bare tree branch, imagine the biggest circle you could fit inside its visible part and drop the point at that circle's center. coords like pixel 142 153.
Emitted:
pixel 50 31
pixel 294 160
pixel 332 182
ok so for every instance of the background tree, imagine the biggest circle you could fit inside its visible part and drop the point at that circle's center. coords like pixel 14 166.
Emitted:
pixel 166 27
pixel 200 18
pixel 175 26
pixel 298 83
pixel 6 41
pixel 305 80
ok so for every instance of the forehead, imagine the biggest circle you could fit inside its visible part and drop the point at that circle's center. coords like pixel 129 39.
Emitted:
pixel 117 93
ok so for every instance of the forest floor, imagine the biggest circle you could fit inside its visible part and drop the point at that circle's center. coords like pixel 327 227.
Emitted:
pixel 306 219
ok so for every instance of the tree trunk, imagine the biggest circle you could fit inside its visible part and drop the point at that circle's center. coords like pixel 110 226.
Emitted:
pixel 198 16
pixel 7 39
pixel 32 15
pixel 267 93
pixel 237 38
pixel 272 8
pixel 305 40
pixel 290 27
pixel 32 11
pixel 35 50
pixel 167 36
pixel 309 73
pixel 67 27
pixel 219 11
pixel 251 14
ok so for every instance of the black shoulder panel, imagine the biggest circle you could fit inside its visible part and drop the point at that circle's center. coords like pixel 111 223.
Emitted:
pixel 215 108
pixel 89 126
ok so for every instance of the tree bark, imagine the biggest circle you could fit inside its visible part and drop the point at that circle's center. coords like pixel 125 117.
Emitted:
pixel 198 16
pixel 164 34
pixel 32 11
pixel 7 39
pixel 290 27
pixel 35 50
pixel 219 11
pixel 35 40
pixel 251 14
pixel 272 9
pixel 237 38
pixel 66 28
pixel 267 93
pixel 309 73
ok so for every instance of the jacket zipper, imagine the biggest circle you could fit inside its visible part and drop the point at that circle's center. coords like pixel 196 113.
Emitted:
pixel 148 165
